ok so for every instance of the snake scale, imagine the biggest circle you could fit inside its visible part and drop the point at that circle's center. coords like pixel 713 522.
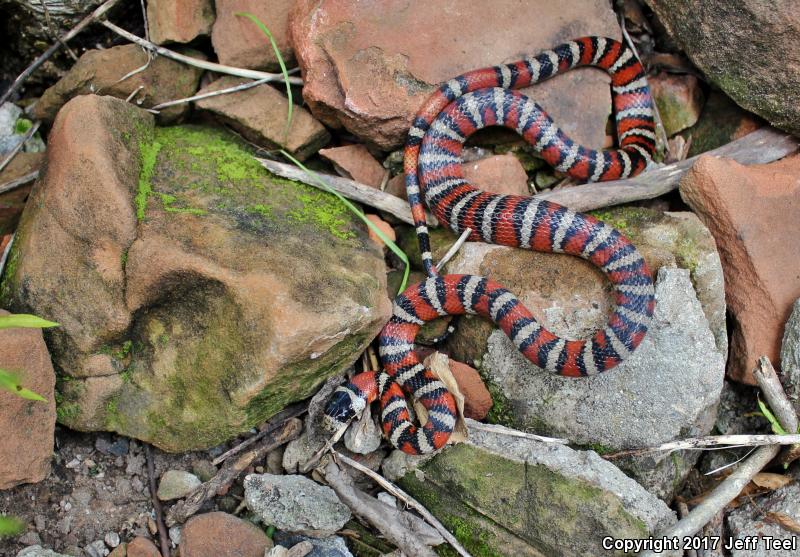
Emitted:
pixel 432 165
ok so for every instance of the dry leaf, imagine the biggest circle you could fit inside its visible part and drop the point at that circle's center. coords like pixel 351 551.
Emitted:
pixel 784 521
pixel 771 481
pixel 439 364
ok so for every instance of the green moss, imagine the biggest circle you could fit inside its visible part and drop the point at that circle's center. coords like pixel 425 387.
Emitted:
pixel 148 153
pixel 687 253
pixel 22 126
pixel 67 412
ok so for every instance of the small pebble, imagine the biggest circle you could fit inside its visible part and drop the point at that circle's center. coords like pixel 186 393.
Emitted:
pixel 73 464
pixel 30 538
pixel 176 484
pixel 175 535
pixel 96 549
pixel 112 539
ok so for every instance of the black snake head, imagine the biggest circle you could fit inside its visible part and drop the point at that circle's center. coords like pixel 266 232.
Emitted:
pixel 342 407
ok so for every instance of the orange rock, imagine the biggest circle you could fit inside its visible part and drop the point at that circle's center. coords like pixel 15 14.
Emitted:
pixel 239 42
pixel 26 426
pixel 179 21
pixel 384 227
pixel 752 211
pixel 498 174
pixel 477 400
pixel 220 534
pixel 679 100
pixel 142 547
pixel 397 186
pixel 356 162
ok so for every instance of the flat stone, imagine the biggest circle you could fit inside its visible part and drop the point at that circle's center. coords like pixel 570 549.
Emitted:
pixel 367 67
pixel 744 206
pixel 260 113
pixel 498 174
pixel 497 494
pixel 179 21
pixel 679 100
pixel 295 504
pixel 220 534
pixel 240 43
pixel 176 484
pixel 26 426
pixel 355 162
pixel 333 546
pixel 39 551
pixel 190 330
pixel 99 71
pixel 717 37
pixel 142 547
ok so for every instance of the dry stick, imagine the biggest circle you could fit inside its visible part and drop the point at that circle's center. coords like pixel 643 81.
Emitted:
pixel 683 512
pixel 291 411
pixel 98 12
pixel 350 189
pixel 20 145
pixel 408 532
pixel 712 441
pixel 162 531
pixel 211 66
pixel 226 91
pixel 182 510
pixel 454 248
pixel 508 432
pixel 779 403
pixel 762 146
pixel 407 499
pixel 21 181
pixel 4 255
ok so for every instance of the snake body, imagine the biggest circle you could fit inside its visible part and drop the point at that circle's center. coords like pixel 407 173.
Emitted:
pixel 432 166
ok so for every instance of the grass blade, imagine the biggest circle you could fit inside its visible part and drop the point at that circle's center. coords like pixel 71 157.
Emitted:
pixel 776 426
pixel 284 71
pixel 10 382
pixel 23 320
pixel 356 211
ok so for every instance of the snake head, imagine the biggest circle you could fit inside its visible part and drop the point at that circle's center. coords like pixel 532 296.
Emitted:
pixel 343 406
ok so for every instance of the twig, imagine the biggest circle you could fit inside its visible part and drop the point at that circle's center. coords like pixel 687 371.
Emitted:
pixel 211 66
pixel 762 146
pixel 348 188
pixel 162 530
pixel 728 441
pixel 4 256
pixel 683 512
pixel 135 92
pixel 500 430
pixel 407 499
pixel 21 181
pixel 226 91
pixel 98 12
pixel 18 147
pixel 290 429
pixel 292 411
pixel 454 248
pixel 779 403
pixel 408 532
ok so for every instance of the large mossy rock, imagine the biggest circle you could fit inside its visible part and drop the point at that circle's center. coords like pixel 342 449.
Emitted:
pixel 197 293
pixel 505 496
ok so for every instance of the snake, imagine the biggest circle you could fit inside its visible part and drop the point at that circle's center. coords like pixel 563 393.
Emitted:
pixel 433 172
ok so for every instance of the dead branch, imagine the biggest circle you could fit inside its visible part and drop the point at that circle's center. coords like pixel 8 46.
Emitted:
pixel 21 181
pixel 226 91
pixel 181 511
pixel 81 25
pixel 712 441
pixel 409 533
pixel 779 403
pixel 454 248
pixel 407 499
pixel 4 255
pixel 350 189
pixel 500 430
pixel 203 64
pixel 18 147
pixel 151 474
pixel 761 146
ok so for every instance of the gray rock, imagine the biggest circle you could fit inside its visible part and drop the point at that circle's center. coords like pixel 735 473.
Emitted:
pixel 718 36
pixel 748 520
pixel 13 129
pixel 668 389
pixel 398 464
pixel 112 539
pixel 363 436
pixel 96 549
pixel 513 496
pixel 39 551
pixel 790 355
pixel 333 546
pixel 30 538
pixel 175 484
pixel 295 504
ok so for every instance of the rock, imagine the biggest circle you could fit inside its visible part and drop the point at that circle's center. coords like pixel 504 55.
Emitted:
pixel 477 400
pixel 743 206
pixel 13 127
pixel 96 549
pixel 759 522
pixel 498 495
pixel 295 504
pixel 13 202
pixel 333 546
pixel 355 162
pixel 179 21
pixel 384 227
pixel 259 114
pixel 30 538
pixel 299 451
pixel 222 535
pixel 203 469
pixel 100 71
pixel 111 539
pixel 202 308
pixel 176 484
pixel 39 551
pixel 679 100
pixel 26 426
pixel 142 547
pixel 717 37
pixel 398 464
pixel 721 122
pixel 118 448
pixel 790 355
pixel 362 72
pixel 239 42
pixel 498 174
pixel 364 435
